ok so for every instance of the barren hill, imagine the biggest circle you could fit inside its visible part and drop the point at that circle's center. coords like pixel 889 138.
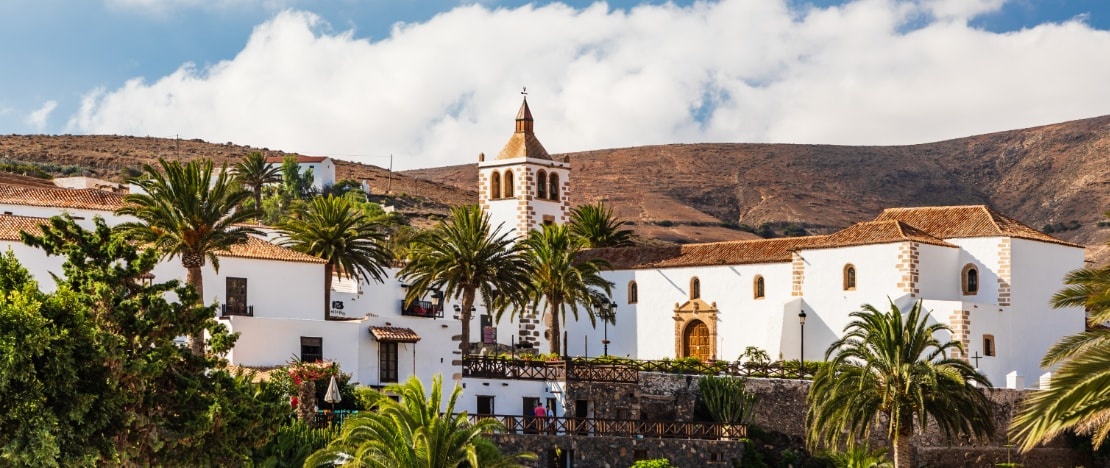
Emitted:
pixel 1045 175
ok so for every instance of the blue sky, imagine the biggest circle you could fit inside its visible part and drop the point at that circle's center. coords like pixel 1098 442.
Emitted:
pixel 434 82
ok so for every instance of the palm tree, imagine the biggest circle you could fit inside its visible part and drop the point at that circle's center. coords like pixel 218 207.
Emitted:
pixel 463 257
pixel 891 365
pixel 254 172
pixel 334 230
pixel 562 279
pixel 186 212
pixel 414 431
pixel 598 227
pixel 1078 397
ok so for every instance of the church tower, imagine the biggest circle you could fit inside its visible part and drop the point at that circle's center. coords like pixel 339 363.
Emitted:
pixel 523 188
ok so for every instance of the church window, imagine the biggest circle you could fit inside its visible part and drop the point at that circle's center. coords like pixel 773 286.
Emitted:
pixel 970 280
pixel 633 292
pixel 541 185
pixel 509 184
pixel 554 192
pixel 988 345
pixel 695 288
pixel 495 185
pixel 759 287
pixel 849 277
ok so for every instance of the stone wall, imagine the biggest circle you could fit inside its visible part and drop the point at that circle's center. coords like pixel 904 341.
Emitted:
pixel 621 452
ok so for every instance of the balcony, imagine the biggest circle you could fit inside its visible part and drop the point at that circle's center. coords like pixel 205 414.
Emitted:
pixel 227 310
pixel 425 309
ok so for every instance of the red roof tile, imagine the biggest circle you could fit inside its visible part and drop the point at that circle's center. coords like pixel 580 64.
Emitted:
pixel 89 199
pixel 879 232
pixel 265 250
pixel 716 253
pixel 952 222
pixel 11 226
pixel 394 334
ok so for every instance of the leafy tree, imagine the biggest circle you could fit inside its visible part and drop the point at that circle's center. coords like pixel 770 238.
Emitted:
pixel 91 373
pixel 597 226
pixel 562 280
pixel 186 212
pixel 1078 397
pixel 414 431
pixel 332 229
pixel 295 184
pixel 254 173
pixel 464 257
pixel 894 366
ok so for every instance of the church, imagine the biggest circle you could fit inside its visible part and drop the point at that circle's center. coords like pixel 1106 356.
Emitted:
pixel 985 275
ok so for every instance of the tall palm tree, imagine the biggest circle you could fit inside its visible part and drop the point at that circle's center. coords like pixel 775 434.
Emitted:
pixel 1078 397
pixel 891 365
pixel 187 212
pixel 464 257
pixel 598 227
pixel 414 431
pixel 336 231
pixel 562 280
pixel 254 172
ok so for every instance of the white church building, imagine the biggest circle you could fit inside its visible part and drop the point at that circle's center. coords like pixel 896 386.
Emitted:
pixel 987 276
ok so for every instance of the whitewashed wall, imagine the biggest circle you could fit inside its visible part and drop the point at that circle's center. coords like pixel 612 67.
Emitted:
pixel 83 217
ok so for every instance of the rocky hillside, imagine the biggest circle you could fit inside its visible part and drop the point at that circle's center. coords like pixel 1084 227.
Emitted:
pixel 1056 175
pixel 1042 176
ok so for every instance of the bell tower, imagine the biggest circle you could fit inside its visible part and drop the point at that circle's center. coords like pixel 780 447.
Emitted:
pixel 523 188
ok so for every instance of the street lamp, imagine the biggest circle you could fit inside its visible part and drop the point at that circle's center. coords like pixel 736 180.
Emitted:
pixel 607 311
pixel 802 336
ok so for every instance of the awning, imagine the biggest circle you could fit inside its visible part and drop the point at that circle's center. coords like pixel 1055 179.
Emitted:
pixel 394 334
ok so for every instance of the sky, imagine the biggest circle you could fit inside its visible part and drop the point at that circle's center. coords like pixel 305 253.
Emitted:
pixel 435 82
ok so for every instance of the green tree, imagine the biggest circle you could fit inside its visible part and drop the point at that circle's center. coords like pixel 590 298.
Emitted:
pixel 562 280
pixel 464 257
pixel 332 229
pixel 91 373
pixel 254 173
pixel 895 366
pixel 1078 396
pixel 189 213
pixel 415 431
pixel 295 184
pixel 597 226
pixel 860 456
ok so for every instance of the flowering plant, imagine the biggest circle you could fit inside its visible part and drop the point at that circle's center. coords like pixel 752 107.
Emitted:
pixel 300 371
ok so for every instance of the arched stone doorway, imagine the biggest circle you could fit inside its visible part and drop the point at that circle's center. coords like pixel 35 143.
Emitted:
pixel 695 330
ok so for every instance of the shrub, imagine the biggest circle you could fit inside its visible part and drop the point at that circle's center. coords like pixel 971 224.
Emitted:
pixel 727 399
pixel 654 463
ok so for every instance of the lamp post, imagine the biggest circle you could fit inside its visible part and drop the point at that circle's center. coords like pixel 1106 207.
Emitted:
pixel 606 310
pixel 802 339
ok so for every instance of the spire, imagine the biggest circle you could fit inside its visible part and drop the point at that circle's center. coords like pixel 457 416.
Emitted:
pixel 524 116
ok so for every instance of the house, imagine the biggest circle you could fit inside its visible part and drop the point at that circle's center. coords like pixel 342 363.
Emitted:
pixel 322 167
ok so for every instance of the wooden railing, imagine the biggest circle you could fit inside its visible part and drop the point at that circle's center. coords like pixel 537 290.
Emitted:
pixel 596 427
pixel 620 370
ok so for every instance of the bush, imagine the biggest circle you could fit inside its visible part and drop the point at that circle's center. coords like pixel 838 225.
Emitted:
pixel 654 463
pixel 726 399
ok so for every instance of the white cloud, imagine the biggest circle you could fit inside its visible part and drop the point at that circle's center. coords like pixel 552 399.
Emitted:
pixel 38 118
pixel 439 92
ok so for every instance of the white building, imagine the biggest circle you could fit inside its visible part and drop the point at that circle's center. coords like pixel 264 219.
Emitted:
pixel 323 169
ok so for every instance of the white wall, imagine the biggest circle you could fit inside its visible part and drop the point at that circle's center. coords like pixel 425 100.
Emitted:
pixel 1038 273
pixel 37 263
pixel 83 217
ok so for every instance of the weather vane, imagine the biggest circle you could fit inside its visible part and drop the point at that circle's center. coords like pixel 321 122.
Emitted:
pixel 524 91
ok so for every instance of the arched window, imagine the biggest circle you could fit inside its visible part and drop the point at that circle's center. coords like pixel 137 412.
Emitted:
pixel 509 184
pixel 970 280
pixel 633 293
pixel 759 287
pixel 495 185
pixel 541 185
pixel 554 192
pixel 849 277
pixel 695 288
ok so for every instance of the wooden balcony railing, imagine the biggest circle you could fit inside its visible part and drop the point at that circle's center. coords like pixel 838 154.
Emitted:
pixel 636 428
pixel 620 370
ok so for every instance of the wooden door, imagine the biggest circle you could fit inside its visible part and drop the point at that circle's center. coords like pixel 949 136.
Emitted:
pixel 696 340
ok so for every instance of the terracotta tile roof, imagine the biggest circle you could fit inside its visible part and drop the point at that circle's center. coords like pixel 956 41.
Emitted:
pixel 264 250
pixel 89 199
pixel 394 334
pixel 879 232
pixel 300 159
pixel 716 253
pixel 950 222
pixel 10 226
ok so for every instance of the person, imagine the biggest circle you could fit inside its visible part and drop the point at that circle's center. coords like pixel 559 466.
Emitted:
pixel 541 416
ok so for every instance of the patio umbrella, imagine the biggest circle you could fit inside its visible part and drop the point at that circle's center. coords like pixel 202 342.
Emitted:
pixel 332 396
